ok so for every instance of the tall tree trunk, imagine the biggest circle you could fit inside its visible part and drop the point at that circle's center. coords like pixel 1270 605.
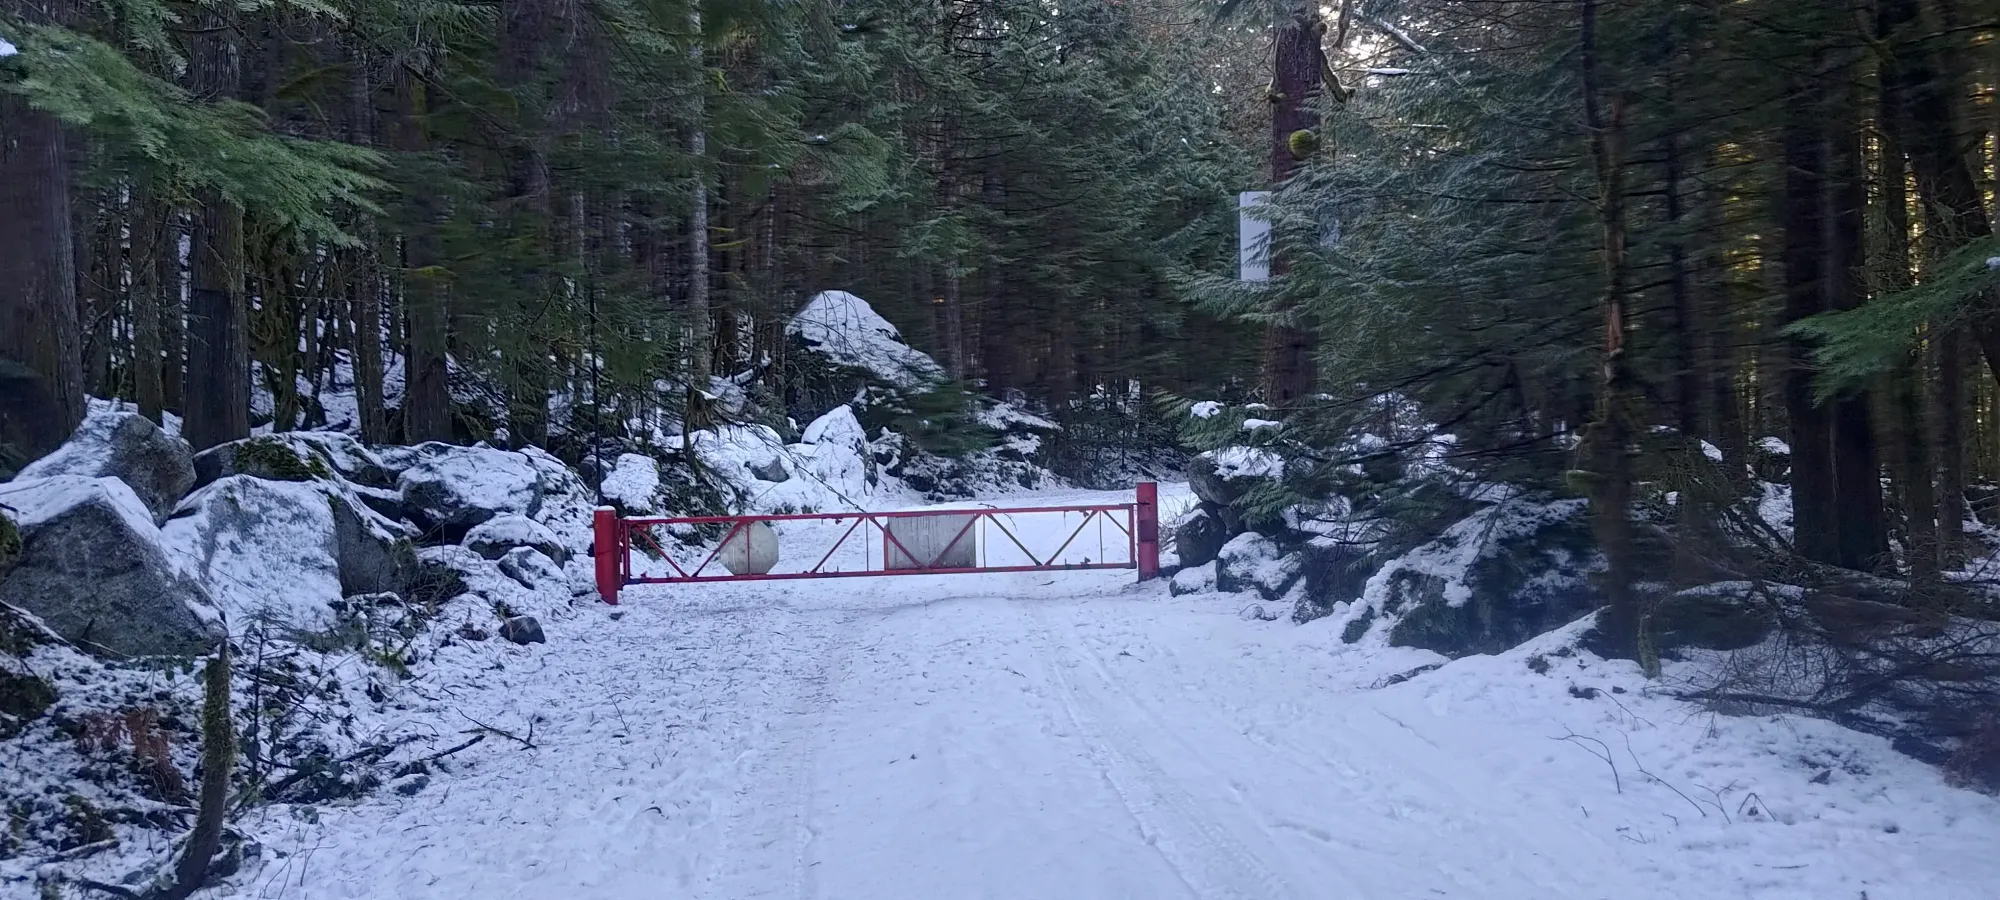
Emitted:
pixel 1608 445
pixel 700 341
pixel 1862 524
pixel 1000 332
pixel 218 352
pixel 1722 330
pixel 1289 348
pixel 172 264
pixel 1919 95
pixel 529 217
pixel 1914 476
pixel 1951 351
pixel 148 233
pixel 365 290
pixel 1805 231
pixel 41 367
pixel 427 391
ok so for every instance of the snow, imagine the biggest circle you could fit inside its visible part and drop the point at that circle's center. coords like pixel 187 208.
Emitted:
pixel 1206 409
pixel 849 331
pixel 1076 735
pixel 88 450
pixel 1254 424
pixel 32 501
pixel 7 49
pixel 1711 451
pixel 634 483
pixel 1774 446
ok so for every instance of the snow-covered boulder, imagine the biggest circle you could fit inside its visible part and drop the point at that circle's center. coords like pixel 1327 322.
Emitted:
pixel 118 443
pixel 773 471
pixel 1199 537
pixel 1193 580
pixel 533 569
pixel 633 484
pixel 1253 562
pixel 1333 571
pixel 453 488
pixel 849 354
pixel 457 572
pixel 847 332
pixel 494 537
pixel 832 467
pixel 287 552
pixel 97 571
pixel 1503 575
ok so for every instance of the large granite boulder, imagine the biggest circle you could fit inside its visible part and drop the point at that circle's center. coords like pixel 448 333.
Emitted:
pixel 114 443
pixel 97 571
pixel 288 552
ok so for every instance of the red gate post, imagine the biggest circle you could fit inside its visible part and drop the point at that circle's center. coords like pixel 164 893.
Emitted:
pixel 1147 530
pixel 606 549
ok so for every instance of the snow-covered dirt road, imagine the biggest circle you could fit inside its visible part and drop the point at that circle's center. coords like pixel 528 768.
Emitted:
pixel 1070 736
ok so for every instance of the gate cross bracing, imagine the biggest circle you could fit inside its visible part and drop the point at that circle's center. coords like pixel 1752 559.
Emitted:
pixel 916 542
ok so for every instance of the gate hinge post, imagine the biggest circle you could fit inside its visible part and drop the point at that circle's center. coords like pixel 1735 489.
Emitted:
pixel 1146 530
pixel 607 545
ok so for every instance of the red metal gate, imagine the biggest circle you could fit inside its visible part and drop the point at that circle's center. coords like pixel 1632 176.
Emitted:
pixel 1127 536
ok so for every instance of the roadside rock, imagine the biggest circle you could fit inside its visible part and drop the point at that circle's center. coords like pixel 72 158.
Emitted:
pixel 494 537
pixel 450 489
pixel 1253 562
pixel 532 569
pixel 1199 537
pixel 523 630
pixel 1193 580
pixel 288 551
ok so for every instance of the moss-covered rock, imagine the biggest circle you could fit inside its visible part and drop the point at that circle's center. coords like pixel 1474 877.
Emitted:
pixel 270 457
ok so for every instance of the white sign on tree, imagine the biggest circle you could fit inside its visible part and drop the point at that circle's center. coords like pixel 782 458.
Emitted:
pixel 1253 237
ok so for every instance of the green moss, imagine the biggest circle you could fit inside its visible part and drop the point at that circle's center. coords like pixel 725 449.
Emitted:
pixel 1302 143
pixel 276 459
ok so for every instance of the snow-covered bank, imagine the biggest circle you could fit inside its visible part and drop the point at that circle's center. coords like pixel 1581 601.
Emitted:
pixel 1076 735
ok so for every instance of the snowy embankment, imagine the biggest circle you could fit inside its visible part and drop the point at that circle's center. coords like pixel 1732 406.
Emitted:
pixel 1075 735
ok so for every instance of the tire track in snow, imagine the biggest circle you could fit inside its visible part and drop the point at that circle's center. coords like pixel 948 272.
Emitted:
pixel 773 816
pixel 1374 766
pixel 1212 863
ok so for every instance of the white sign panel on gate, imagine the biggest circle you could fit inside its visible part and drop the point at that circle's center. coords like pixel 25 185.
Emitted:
pixel 1253 237
pixel 936 541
